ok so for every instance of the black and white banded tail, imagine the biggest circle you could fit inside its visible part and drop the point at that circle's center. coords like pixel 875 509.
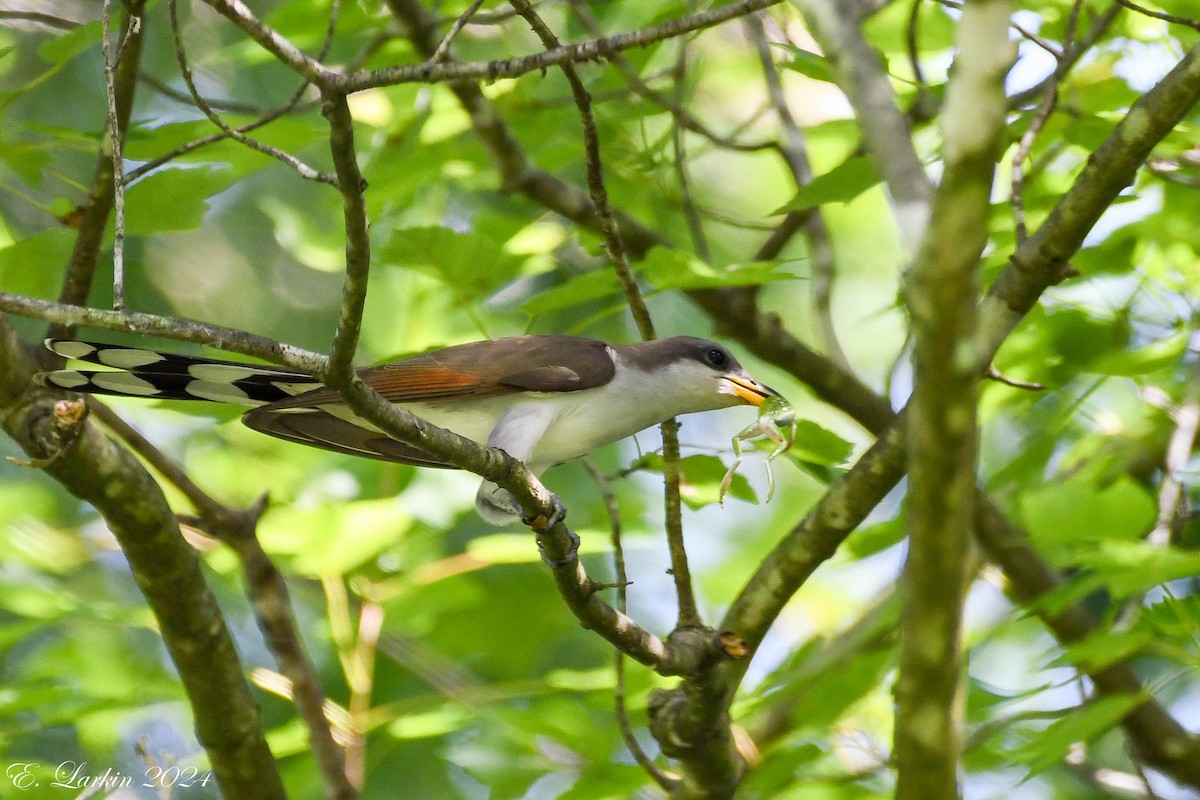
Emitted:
pixel 136 372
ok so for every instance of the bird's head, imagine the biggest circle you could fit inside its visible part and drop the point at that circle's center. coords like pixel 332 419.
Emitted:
pixel 696 374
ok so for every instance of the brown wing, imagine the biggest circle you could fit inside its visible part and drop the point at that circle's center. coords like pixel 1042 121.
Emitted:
pixel 317 428
pixel 496 366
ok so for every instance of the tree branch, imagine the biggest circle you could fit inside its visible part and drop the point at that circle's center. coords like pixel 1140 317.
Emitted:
pixel 94 222
pixel 836 26
pixel 165 567
pixel 941 292
pixel 268 591
pixel 174 328
pixel 1040 261
pixel 185 70
pixel 450 70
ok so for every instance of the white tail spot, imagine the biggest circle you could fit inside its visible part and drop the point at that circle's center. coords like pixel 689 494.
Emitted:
pixel 124 383
pixel 70 349
pixel 126 358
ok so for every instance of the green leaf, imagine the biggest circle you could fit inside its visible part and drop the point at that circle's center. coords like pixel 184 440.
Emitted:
pixel 1104 648
pixel 34 266
pixel 875 538
pixel 436 722
pixel 1121 569
pixel 471 264
pixel 1154 356
pixel 1065 516
pixel 28 161
pixel 335 538
pixel 585 288
pixel 1127 568
pixel 841 184
pixel 818 445
pixel 62 49
pixel 808 63
pixel 665 269
pixel 1083 724
pixel 173 199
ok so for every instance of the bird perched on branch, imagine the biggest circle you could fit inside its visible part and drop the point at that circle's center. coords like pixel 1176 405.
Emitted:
pixel 542 399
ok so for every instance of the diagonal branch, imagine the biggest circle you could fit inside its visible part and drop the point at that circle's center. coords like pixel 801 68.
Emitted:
pixel 837 27
pixel 268 592
pixel 185 70
pixel 558 543
pixel 1039 262
pixel 165 567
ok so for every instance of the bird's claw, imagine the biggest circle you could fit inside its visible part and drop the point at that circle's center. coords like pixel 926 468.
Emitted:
pixel 567 559
pixel 540 522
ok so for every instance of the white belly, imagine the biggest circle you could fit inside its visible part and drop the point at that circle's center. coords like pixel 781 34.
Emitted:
pixel 544 429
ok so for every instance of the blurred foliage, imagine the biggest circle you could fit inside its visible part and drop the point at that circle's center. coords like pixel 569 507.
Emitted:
pixel 482 684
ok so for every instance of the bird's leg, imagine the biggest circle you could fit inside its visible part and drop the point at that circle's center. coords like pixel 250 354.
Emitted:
pixel 543 523
pixel 496 505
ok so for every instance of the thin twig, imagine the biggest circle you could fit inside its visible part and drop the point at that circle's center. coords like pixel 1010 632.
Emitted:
pixel 176 476
pixel 511 68
pixel 361 676
pixel 1171 496
pixel 49 20
pixel 1070 56
pixel 272 608
pixel 999 377
pixel 358 245
pixel 1172 18
pixel 621 581
pixel 304 170
pixel 171 93
pixel 910 40
pixel 1024 146
pixel 1038 122
pixel 681 116
pixel 237 12
pixel 1045 44
pixel 687 200
pixel 115 144
pixel 144 169
pixel 443 48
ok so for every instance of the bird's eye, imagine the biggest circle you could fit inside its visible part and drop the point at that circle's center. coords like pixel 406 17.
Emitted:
pixel 716 357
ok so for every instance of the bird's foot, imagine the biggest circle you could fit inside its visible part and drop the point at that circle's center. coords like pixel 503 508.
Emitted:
pixel 540 522
pixel 499 507
pixel 569 556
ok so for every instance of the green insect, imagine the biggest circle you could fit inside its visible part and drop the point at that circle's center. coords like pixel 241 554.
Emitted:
pixel 777 421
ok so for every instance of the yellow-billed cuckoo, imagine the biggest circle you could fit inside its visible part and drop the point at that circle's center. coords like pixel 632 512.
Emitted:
pixel 541 399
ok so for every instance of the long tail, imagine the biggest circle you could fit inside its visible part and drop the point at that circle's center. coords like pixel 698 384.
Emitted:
pixel 134 372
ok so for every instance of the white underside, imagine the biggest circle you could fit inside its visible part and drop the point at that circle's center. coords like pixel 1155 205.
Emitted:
pixel 547 428
pixel 544 429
